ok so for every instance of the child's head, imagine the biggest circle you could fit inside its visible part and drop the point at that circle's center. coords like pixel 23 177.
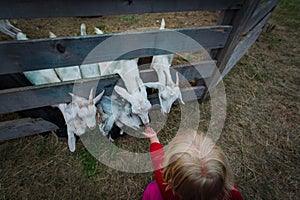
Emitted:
pixel 195 168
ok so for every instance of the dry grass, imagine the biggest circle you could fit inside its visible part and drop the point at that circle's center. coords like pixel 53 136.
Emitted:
pixel 260 137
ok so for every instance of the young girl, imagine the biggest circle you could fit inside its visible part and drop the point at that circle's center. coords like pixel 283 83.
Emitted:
pixel 192 168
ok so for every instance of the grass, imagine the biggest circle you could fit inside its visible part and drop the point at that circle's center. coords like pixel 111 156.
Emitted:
pixel 130 18
pixel 88 162
pixel 260 137
pixel 288 13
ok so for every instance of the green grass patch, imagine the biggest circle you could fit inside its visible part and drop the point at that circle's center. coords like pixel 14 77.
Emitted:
pixel 129 18
pixel 88 162
pixel 288 13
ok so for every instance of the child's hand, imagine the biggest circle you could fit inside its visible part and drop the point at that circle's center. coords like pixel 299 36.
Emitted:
pixel 151 134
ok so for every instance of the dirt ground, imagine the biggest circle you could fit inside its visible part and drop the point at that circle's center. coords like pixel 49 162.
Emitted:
pixel 260 137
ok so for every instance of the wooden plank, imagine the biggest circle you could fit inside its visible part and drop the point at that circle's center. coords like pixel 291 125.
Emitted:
pixel 17 99
pixel 56 8
pixel 239 24
pixel 19 56
pixel 24 127
pixel 260 13
pixel 28 126
pixel 244 45
pixel 226 18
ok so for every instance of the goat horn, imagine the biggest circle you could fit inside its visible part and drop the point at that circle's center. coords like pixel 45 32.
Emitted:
pixel 91 97
pixel 166 78
pixel 177 79
pixel 140 83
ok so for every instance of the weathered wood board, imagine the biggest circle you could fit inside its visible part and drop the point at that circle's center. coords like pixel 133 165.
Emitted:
pixel 20 56
pixel 244 45
pixel 224 40
pixel 24 127
pixel 23 98
pixel 260 13
pixel 56 8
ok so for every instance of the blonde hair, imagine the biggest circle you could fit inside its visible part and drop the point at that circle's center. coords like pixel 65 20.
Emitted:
pixel 195 168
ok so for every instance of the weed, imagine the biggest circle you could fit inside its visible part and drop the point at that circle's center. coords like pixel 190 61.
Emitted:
pixel 42 147
pixel 88 162
pixel 129 18
pixel 288 13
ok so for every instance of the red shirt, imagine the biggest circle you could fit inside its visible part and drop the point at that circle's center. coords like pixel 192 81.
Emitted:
pixel 157 156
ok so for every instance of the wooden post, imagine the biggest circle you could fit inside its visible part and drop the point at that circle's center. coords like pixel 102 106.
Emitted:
pixel 239 20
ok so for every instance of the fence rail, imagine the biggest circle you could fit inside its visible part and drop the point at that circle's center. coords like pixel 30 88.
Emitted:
pixel 19 56
pixel 239 25
pixel 15 9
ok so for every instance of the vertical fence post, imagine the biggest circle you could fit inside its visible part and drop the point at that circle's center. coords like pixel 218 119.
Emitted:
pixel 238 19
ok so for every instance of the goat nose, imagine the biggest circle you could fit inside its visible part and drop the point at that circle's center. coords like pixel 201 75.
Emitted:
pixel 92 127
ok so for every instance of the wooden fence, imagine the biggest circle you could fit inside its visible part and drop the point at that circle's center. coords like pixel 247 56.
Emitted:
pixel 239 25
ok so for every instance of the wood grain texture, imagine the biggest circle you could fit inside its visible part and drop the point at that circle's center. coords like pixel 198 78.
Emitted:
pixel 244 45
pixel 24 127
pixel 56 8
pixel 260 13
pixel 23 98
pixel 239 23
pixel 19 56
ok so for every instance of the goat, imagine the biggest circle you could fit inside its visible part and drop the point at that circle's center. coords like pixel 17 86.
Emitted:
pixel 7 28
pixel 136 93
pixel 88 70
pixel 114 111
pixel 168 91
pixel 67 73
pixel 79 115
pixel 86 109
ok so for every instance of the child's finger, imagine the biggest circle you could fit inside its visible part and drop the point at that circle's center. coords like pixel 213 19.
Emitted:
pixel 149 134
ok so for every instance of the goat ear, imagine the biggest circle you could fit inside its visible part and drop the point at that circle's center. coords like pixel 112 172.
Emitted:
pixel 51 35
pixel 177 79
pixel 98 97
pixel 98 31
pixel 71 141
pixel 123 93
pixel 155 85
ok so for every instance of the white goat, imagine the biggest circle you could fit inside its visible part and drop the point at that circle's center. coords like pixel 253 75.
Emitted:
pixel 136 93
pixel 168 91
pixel 88 70
pixel 67 73
pixel 7 28
pixel 79 115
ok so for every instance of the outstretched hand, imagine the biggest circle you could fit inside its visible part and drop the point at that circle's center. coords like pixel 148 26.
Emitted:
pixel 151 134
